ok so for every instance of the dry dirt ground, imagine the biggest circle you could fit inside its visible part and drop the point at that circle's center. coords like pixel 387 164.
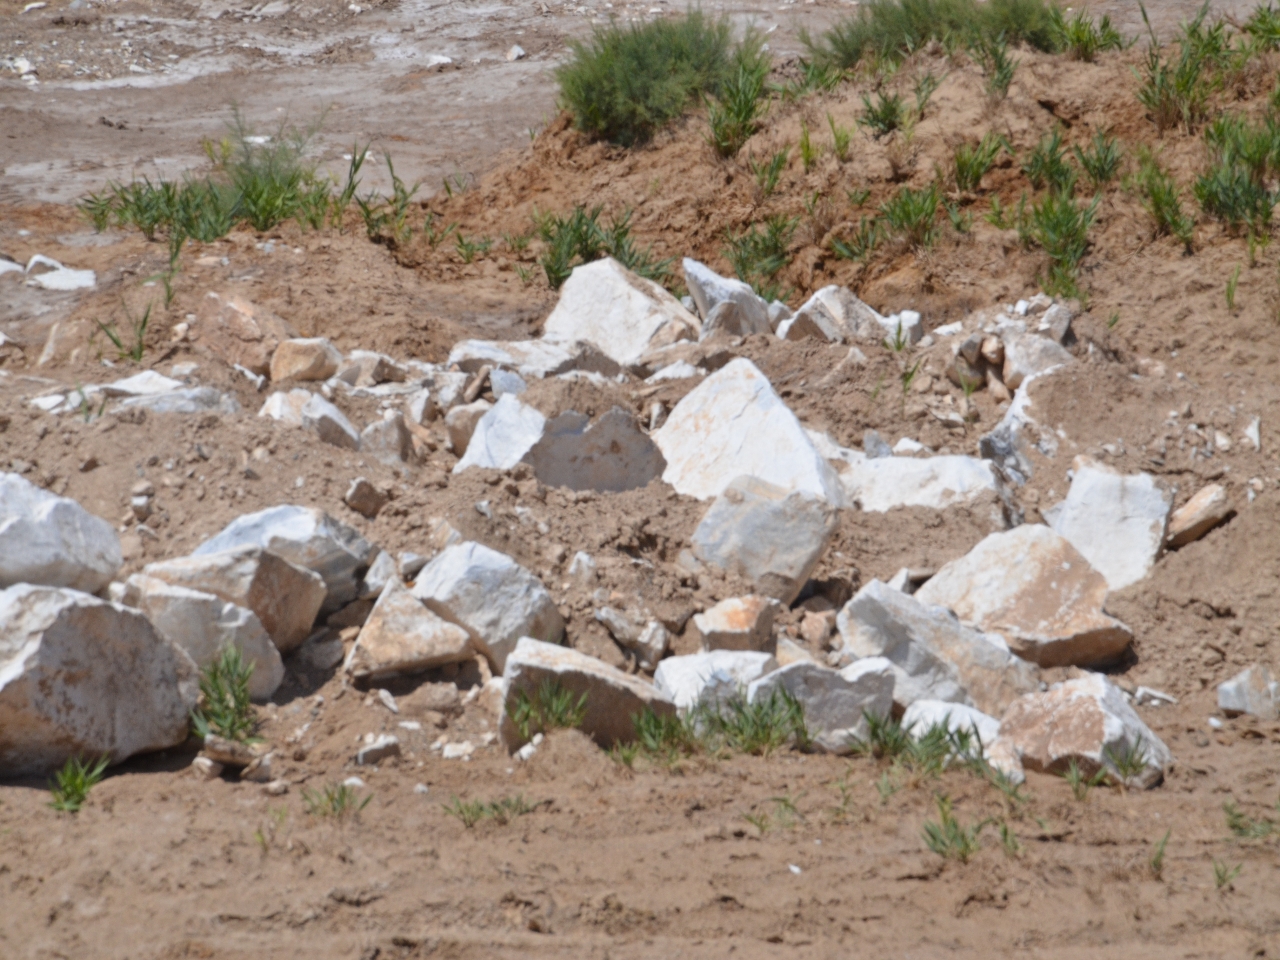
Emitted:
pixel 790 855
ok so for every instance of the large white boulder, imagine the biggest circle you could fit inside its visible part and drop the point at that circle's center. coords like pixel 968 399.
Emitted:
pixel 285 596
pixel 880 484
pixel 83 677
pixel 203 625
pixel 707 678
pixel 52 540
pixel 1033 588
pixel 1117 521
pixel 835 701
pixel 923 715
pixel 489 595
pixel 622 314
pixel 934 656
pixel 733 424
pixel 307 537
pixel 403 637
pixel 769 536
pixel 1087 720
pixel 613 698
pixel 503 435
pixel 611 455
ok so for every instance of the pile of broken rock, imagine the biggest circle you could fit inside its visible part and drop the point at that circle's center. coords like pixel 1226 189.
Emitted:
pixel 93 665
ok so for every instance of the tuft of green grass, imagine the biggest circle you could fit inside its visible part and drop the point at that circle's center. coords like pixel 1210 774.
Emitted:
pixel 627 82
pixel 735 110
pixel 1176 91
pixel 911 214
pixel 1223 874
pixel 70 786
pixel 468 250
pixel 816 76
pixel 993 54
pixel 1047 165
pixel 1232 284
pixel 501 811
pixel 769 172
pixel 759 254
pixel 1129 762
pixel 137 345
pixel 1247 828
pixel 885 115
pixel 971 161
pixel 666 737
pixel 1263 27
pixel 336 800
pixel 925 87
pixel 1229 193
pixel 1080 782
pixel 862 243
pixel 759 727
pixel 1156 860
pixel 1100 161
pixel 1083 39
pixel 840 137
pixel 1060 225
pixel 550 707
pixel 1160 196
pixel 949 838
pixel 808 152
pixel 224 707
pixel 580 237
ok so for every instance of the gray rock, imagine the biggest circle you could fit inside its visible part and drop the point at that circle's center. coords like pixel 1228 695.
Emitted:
pixel 460 424
pixel 766 535
pixel 835 702
pixel 365 498
pixel 388 440
pixel 83 677
pixel 532 359
pixel 51 540
pixel 403 637
pixel 504 382
pixel 648 641
pixel 329 423
pixel 611 455
pixel 383 748
pixel 492 597
pixel 709 290
pixel 734 320
pixel 874 446
pixel 380 573
pixel 1026 354
pixel 1252 691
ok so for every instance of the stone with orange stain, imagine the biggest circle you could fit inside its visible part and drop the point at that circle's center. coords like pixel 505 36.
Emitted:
pixel 739 623
pixel 238 331
pixel 1035 589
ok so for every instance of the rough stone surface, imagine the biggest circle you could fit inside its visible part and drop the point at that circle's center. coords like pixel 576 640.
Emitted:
pixel 387 440
pixel 835 702
pixel 330 424
pixel 709 290
pixel 532 359
pixel 648 641
pixel 187 401
pixel 766 535
pixel 286 407
pixel 1026 354
pixel 1087 720
pixel 1117 521
pixel 1204 511
pixel 492 597
pixel 203 625
pixel 307 537
pixel 364 498
pixel 1033 588
pixel 622 314
pixel 733 424
pixel 739 623
pixel 51 540
pixel 733 319
pixel 613 697
pixel 835 314
pixel 879 484
pixel 403 637
pixel 312 358
pixel 460 423
pixel 285 597
pixel 934 656
pixel 365 368
pixel 710 677
pixel 503 435
pixel 146 383
pixel 239 332
pixel 1252 691
pixel 611 455
pixel 83 677
pixel 955 717
pixel 384 747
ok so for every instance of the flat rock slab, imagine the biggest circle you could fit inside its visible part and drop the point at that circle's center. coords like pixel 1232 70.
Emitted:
pixel 52 540
pixel 492 597
pixel 880 484
pixel 403 637
pixel 769 536
pixel 532 359
pixel 622 314
pixel 609 456
pixel 708 678
pixel 835 702
pixel 83 677
pixel 738 623
pixel 613 698
pixel 1087 720
pixel 1033 588
pixel 733 424
pixel 1117 521
pixel 934 656
pixel 1205 510
pixel 502 436
pixel 1253 691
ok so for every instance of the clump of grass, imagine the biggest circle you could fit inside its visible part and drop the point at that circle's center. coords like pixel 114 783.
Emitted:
pixel 336 800
pixel 580 237
pixel 469 249
pixel 1128 763
pixel 1047 165
pixel 1263 27
pixel 911 214
pixel 1223 874
pixel 1082 38
pixel 759 727
pixel 735 110
pixel 1232 284
pixel 1245 827
pixel 224 707
pixel 1234 189
pixel 550 707
pixel 137 344
pixel 948 837
pixel 768 173
pixel 386 219
pixel 70 786
pixel 971 161
pixel 1176 91
pixel 626 82
pixel 926 85
pixel 1060 225
pixel 862 243
pixel 889 30
pixel 885 115
pixel 1100 161
pixel 808 152
pixel 1156 860
pixel 1080 782
pixel 661 738
pixel 840 137
pixel 1160 196
pixel 759 254
pixel 501 811
pixel 816 76
pixel 993 54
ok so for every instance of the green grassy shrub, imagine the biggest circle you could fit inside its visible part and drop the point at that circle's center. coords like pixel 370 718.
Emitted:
pixel 224 707
pixel 580 237
pixel 550 707
pixel 1047 165
pixel 912 214
pixel 1060 225
pixel 759 254
pixel 1082 38
pixel 971 161
pixel 1175 91
pixel 759 727
pixel 735 110
pixel 71 785
pixel 1100 160
pixel 1160 196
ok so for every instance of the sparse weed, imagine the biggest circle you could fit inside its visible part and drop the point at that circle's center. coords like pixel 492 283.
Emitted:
pixel 1159 193
pixel 769 172
pixel 885 115
pixel 71 785
pixel 1177 91
pixel 948 837
pixel 1061 226
pixel 1263 27
pixel 1156 860
pixel 224 707
pixel 857 197
pixel 862 244
pixel 926 84
pixel 1100 161
pixel 1083 39
pixel 501 811
pixel 1245 827
pixel 757 255
pixel 434 234
pixel 1129 762
pixel 1047 165
pixel 758 820
pixel 1080 783
pixel 815 77
pixel 1223 875
pixel 1009 840
pixel 840 137
pixel 580 237
pixel 516 243
pixel 138 337
pixel 666 738
pixel 911 214
pixel 550 707
pixel 993 54
pixel 758 727
pixel 1232 284
pixel 336 800
pixel 886 788
pixel 961 220
pixel 886 739
pixel 998 216
pixel 468 250
pixel 808 152
pixel 971 161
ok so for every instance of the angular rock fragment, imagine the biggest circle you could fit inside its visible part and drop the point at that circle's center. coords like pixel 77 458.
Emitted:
pixel 648 642
pixel 460 424
pixel 613 698
pixel 364 498
pixel 83 677
pixel 709 290
pixel 767 535
pixel 330 424
pixel 611 455
pixel 739 623
pixel 187 401
pixel 1027 354
pixel 835 702
pixel 285 597
pixel 924 715
pixel 1252 691
pixel 239 332
pixel 286 407
pixel 387 440
pixel 384 747
pixel 503 435
pixel 733 424
pixel 311 358
pixel 934 656
pixel 836 315
pixel 1204 511
pixel 1087 720
pixel 403 637
pixel 532 359
pixel 365 368
pixel 710 677
pixel 1033 588
pixel 492 597
pixel 880 484
pixel 146 383
pixel 51 540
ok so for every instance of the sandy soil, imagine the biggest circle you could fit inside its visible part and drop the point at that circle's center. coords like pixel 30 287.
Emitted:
pixel 612 862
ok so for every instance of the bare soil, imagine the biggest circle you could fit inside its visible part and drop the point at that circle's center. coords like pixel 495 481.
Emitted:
pixel 613 862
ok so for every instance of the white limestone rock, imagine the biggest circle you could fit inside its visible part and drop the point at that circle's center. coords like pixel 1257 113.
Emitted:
pixel 503 435
pixel 532 359
pixel 836 315
pixel 611 455
pixel 711 677
pixel 388 440
pixel 1027 354
pixel 738 623
pixel 51 540
pixel 403 637
pixel 146 383
pixel 880 484
pixel 835 702
pixel 286 407
pixel 330 424
pixel 460 424
pixel 1252 691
